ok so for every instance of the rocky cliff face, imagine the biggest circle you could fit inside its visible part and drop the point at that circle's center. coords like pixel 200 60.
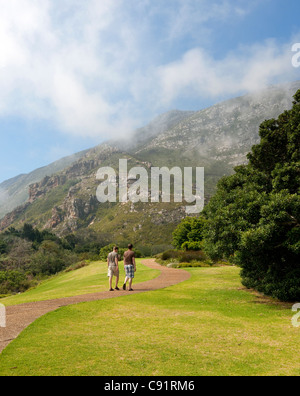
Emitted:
pixel 38 190
pixel 14 192
pixel 12 217
pixel 70 212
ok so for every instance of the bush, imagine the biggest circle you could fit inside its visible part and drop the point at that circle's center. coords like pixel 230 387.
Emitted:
pixel 30 253
pixel 189 256
pixel 182 256
pixel 189 233
pixel 195 246
pixel 196 264
pixel 170 254
pixel 3 247
pixel 51 259
pixel 77 266
pixel 13 282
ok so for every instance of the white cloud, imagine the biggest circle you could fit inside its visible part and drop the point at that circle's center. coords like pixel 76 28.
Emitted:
pixel 55 66
pixel 94 68
pixel 249 69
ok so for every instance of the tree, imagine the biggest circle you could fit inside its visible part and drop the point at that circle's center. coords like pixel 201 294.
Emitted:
pixel 30 233
pixel 3 247
pixel 12 282
pixel 189 234
pixel 254 218
pixel 51 259
pixel 19 253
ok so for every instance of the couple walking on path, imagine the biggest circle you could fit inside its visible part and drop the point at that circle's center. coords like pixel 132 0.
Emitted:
pixel 129 265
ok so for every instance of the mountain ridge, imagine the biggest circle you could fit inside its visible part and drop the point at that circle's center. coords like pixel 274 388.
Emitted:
pixel 14 191
pixel 217 138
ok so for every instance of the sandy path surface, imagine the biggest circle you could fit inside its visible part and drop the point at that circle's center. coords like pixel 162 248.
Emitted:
pixel 19 317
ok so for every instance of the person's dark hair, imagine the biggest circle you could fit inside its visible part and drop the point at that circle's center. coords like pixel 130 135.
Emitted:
pixel 116 248
pixel 130 246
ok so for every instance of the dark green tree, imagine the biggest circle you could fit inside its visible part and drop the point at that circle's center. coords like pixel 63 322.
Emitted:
pixel 189 234
pixel 254 218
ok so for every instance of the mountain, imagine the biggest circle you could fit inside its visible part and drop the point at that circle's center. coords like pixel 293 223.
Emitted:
pixel 217 138
pixel 224 132
pixel 14 192
pixel 158 126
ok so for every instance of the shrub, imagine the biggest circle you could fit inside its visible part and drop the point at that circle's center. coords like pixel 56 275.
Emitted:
pixel 189 256
pixel 77 266
pixel 189 233
pixel 196 264
pixel 29 253
pixel 13 282
pixel 51 259
pixel 170 254
pixel 182 256
pixel 195 246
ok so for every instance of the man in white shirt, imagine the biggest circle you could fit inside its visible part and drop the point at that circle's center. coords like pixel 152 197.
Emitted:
pixel 113 268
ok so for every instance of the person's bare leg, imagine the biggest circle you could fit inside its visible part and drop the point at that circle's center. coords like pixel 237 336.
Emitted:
pixel 110 283
pixel 125 283
pixel 117 281
pixel 130 283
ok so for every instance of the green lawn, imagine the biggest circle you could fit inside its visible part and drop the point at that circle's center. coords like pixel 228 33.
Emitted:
pixel 205 326
pixel 90 279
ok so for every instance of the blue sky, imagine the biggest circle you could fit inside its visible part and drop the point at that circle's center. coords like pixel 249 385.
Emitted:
pixel 74 74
